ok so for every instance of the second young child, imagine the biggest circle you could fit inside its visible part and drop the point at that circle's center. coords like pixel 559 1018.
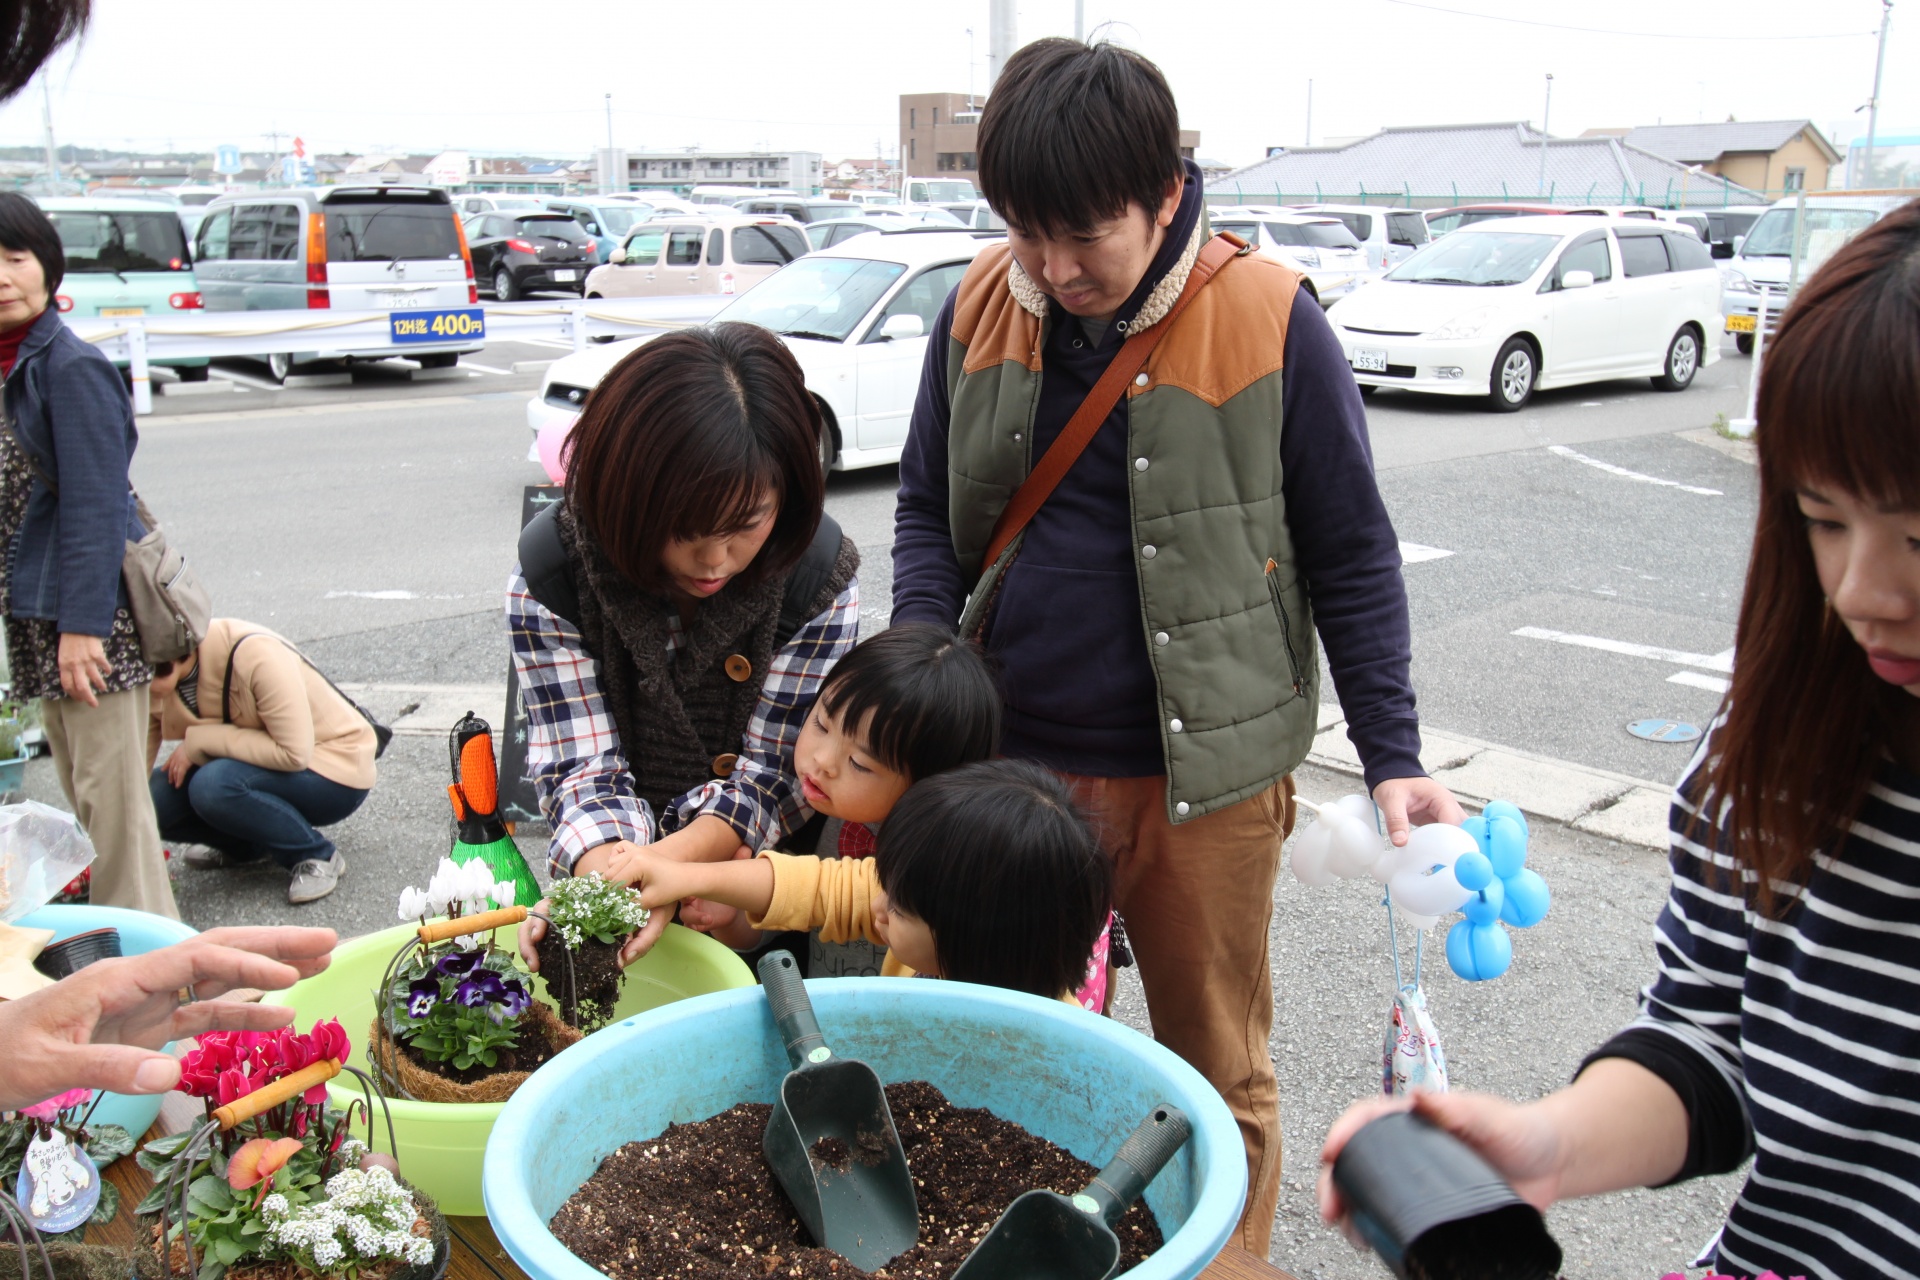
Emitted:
pixel 985 873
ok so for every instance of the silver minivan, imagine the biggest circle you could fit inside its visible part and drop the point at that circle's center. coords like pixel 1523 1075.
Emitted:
pixel 345 248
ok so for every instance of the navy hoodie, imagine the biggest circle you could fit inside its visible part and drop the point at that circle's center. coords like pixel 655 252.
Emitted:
pixel 1066 631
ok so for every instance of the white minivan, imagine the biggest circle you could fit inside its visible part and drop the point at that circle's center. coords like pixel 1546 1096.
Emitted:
pixel 1501 308
pixel 1390 236
pixel 1763 258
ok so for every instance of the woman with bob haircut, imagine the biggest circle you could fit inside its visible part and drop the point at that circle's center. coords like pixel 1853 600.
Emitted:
pixel 1781 1022
pixel 67 512
pixel 673 615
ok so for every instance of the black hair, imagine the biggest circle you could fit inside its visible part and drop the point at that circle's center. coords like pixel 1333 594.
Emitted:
pixel 933 701
pixel 683 439
pixel 1006 872
pixel 24 226
pixel 30 31
pixel 1074 133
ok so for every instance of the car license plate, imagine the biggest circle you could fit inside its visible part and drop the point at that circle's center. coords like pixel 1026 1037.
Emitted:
pixel 1735 324
pixel 123 311
pixel 566 274
pixel 439 326
pixel 1369 360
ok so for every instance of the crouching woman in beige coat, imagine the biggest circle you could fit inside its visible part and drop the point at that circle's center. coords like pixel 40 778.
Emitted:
pixel 269 752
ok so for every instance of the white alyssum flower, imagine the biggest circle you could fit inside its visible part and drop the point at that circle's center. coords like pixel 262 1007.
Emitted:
pixel 366 1217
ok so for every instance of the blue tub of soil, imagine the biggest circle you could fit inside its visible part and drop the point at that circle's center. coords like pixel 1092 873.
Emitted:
pixel 1079 1080
pixel 140 932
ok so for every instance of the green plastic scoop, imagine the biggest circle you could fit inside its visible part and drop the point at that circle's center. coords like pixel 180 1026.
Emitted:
pixel 1047 1236
pixel 831 1139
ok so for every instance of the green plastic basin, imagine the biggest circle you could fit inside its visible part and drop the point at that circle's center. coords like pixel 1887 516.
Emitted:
pixel 441 1143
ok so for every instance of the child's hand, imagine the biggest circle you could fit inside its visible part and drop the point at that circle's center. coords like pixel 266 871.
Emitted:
pixel 710 917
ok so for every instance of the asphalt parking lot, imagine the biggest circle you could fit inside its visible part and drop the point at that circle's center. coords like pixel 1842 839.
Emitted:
pixel 1571 568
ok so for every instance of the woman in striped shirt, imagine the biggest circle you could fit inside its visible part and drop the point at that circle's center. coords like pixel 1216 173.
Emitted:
pixel 1784 1021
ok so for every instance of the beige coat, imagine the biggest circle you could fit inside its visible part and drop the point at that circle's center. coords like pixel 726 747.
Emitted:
pixel 283 714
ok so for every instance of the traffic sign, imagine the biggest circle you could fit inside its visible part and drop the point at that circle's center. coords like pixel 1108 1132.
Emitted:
pixel 291 170
pixel 300 147
pixel 226 159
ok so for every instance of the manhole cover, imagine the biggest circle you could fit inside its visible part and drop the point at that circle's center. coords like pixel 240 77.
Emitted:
pixel 1664 730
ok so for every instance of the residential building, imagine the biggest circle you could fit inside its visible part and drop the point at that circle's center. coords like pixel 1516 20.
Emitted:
pixel 680 171
pixel 939 135
pixel 1774 156
pixel 1433 166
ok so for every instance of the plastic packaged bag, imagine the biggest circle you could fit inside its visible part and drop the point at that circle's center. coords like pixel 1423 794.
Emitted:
pixel 41 850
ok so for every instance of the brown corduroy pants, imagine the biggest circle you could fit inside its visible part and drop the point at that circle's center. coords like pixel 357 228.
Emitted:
pixel 1198 899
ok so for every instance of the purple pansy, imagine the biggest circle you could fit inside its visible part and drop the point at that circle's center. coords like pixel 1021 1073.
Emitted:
pixel 514 997
pixel 457 964
pixel 484 987
pixel 422 995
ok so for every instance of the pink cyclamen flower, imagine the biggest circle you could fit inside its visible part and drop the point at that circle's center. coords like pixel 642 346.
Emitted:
pixel 52 1107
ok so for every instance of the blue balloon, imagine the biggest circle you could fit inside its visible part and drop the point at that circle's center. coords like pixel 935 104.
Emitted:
pixel 1478 952
pixel 1477 828
pixel 1504 809
pixel 1484 907
pixel 1506 846
pixel 1473 871
pixel 1527 899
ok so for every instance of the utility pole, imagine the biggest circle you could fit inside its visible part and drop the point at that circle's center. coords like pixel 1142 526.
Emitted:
pixel 969 68
pixel 46 117
pixel 1002 37
pixel 1309 141
pixel 607 181
pixel 1545 113
pixel 1079 19
pixel 1873 103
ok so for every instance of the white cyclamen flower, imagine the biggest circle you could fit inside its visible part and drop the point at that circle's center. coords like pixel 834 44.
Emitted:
pixel 413 904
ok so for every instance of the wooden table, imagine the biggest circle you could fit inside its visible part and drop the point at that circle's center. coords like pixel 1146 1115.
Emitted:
pixel 477 1254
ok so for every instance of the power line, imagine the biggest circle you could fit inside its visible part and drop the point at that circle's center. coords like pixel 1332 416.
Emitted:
pixel 1610 31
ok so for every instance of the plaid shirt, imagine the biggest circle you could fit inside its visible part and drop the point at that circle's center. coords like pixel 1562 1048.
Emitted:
pixel 581 775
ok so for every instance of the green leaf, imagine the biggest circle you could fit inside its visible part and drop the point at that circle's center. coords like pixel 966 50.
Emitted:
pixel 108 1142
pixel 109 1205
pixel 156 1199
pixel 229 1250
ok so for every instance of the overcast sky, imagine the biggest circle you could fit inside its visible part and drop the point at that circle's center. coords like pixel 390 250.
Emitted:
pixel 488 76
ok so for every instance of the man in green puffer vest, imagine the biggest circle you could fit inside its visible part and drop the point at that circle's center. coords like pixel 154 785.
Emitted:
pixel 1155 625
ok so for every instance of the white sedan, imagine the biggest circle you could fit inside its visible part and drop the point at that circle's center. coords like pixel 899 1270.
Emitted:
pixel 856 317
pixel 1502 308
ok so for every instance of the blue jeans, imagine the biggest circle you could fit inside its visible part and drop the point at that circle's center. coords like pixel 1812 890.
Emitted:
pixel 250 812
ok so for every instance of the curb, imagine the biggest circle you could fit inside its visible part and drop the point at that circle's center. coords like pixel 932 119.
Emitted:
pixel 1614 805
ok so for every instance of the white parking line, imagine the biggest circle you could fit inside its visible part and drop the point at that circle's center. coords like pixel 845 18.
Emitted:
pixel 1415 553
pixel 1722 661
pixel 1717 684
pixel 546 342
pixel 1622 472
pixel 486 368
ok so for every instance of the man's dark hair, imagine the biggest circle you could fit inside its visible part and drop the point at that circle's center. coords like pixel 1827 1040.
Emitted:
pixel 683 438
pixel 1007 874
pixel 1074 133
pixel 30 30
pixel 933 701
pixel 24 227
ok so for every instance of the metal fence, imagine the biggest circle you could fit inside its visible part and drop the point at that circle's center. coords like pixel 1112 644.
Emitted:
pixel 137 342
pixel 1674 195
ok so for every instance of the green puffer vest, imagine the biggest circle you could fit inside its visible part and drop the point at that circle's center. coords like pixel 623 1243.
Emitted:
pixel 1222 605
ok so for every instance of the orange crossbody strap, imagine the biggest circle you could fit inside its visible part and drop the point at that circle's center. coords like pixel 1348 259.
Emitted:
pixel 1073 440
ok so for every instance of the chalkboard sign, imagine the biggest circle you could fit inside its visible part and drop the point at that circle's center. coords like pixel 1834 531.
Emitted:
pixel 517 801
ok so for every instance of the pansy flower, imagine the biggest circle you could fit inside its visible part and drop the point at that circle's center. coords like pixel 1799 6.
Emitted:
pixel 456 964
pixel 484 987
pixel 422 995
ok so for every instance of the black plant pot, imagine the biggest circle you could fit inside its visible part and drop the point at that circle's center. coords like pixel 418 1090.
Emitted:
pixel 1433 1209
pixel 74 954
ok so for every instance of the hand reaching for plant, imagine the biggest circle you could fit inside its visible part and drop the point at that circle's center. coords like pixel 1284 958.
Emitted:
pixel 99 1028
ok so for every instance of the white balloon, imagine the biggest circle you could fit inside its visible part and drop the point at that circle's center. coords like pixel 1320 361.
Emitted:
pixel 1421 923
pixel 1436 895
pixel 1355 839
pixel 1311 850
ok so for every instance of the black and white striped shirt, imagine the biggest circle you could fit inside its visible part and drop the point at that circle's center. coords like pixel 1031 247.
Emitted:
pixel 1798 1039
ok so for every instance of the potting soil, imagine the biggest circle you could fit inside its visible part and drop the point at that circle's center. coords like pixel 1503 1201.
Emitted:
pixel 699 1202
pixel 588 991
